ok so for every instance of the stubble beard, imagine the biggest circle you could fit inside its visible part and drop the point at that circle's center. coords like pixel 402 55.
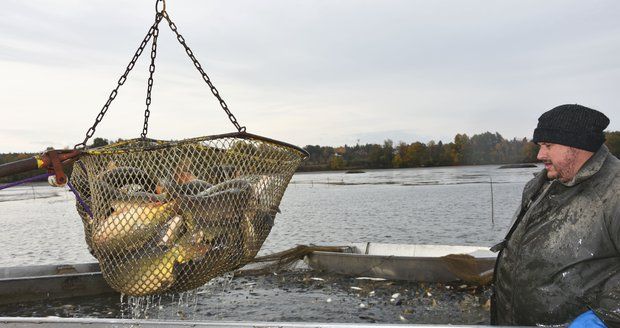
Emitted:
pixel 566 170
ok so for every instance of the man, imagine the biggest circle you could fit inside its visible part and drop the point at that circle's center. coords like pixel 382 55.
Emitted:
pixel 561 258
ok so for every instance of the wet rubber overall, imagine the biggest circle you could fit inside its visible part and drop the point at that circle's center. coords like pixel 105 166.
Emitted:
pixel 561 256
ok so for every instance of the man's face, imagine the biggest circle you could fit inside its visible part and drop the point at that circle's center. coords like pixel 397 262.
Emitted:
pixel 562 162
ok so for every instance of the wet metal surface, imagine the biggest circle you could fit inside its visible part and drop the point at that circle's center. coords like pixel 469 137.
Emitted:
pixel 299 296
pixel 58 322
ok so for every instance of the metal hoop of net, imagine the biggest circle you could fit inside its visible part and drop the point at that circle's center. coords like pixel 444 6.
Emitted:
pixel 168 216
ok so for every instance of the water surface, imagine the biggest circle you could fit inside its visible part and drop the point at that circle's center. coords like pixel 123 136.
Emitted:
pixel 450 205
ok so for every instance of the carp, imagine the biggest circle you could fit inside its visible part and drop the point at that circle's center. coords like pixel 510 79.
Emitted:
pixel 223 255
pixel 150 274
pixel 155 272
pixel 131 192
pixel 220 173
pixel 193 187
pixel 259 215
pixel 242 185
pixel 171 231
pixel 255 227
pixel 130 225
pixel 124 176
pixel 224 202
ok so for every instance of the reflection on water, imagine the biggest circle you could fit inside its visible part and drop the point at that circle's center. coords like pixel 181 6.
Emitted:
pixel 449 205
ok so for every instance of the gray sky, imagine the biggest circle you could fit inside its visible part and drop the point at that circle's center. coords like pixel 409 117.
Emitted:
pixel 325 72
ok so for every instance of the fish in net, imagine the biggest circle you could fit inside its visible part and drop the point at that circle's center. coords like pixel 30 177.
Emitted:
pixel 168 216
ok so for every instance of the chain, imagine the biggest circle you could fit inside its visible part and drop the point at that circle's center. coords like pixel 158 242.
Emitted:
pixel 163 6
pixel 154 33
pixel 121 81
pixel 147 112
pixel 205 77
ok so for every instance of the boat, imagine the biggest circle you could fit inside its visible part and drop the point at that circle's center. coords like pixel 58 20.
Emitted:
pixel 47 282
pixel 363 260
pixel 423 263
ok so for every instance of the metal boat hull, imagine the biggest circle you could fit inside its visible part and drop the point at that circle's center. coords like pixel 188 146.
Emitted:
pixel 424 263
pixel 46 282
pixel 96 323
pixel 389 261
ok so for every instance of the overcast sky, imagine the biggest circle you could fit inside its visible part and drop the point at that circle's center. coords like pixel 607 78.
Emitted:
pixel 328 72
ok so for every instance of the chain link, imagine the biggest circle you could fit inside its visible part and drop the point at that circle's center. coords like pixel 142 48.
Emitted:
pixel 163 6
pixel 121 81
pixel 147 112
pixel 154 33
pixel 205 77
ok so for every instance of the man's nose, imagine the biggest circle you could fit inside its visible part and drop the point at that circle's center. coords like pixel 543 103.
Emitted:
pixel 542 154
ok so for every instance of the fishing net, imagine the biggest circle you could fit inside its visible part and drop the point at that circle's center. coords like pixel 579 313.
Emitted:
pixel 168 216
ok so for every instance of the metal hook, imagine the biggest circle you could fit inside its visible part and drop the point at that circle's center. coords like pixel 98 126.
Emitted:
pixel 163 9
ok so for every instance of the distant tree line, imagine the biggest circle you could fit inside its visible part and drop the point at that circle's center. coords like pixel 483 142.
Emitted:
pixel 485 148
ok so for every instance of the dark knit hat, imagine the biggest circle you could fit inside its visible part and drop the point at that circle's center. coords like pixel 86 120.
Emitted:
pixel 572 125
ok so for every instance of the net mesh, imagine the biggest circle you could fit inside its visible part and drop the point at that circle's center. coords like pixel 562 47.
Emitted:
pixel 170 216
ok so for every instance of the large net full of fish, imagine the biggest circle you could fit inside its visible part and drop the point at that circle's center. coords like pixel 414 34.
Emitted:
pixel 169 216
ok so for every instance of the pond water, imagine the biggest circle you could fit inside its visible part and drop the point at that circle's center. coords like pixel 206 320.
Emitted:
pixel 448 205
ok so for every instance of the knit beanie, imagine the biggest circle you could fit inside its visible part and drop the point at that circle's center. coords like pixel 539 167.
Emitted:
pixel 572 125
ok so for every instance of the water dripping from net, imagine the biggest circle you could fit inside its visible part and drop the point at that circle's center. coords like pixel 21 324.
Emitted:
pixel 178 306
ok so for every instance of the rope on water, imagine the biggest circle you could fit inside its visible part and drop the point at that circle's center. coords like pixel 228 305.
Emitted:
pixel 41 177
